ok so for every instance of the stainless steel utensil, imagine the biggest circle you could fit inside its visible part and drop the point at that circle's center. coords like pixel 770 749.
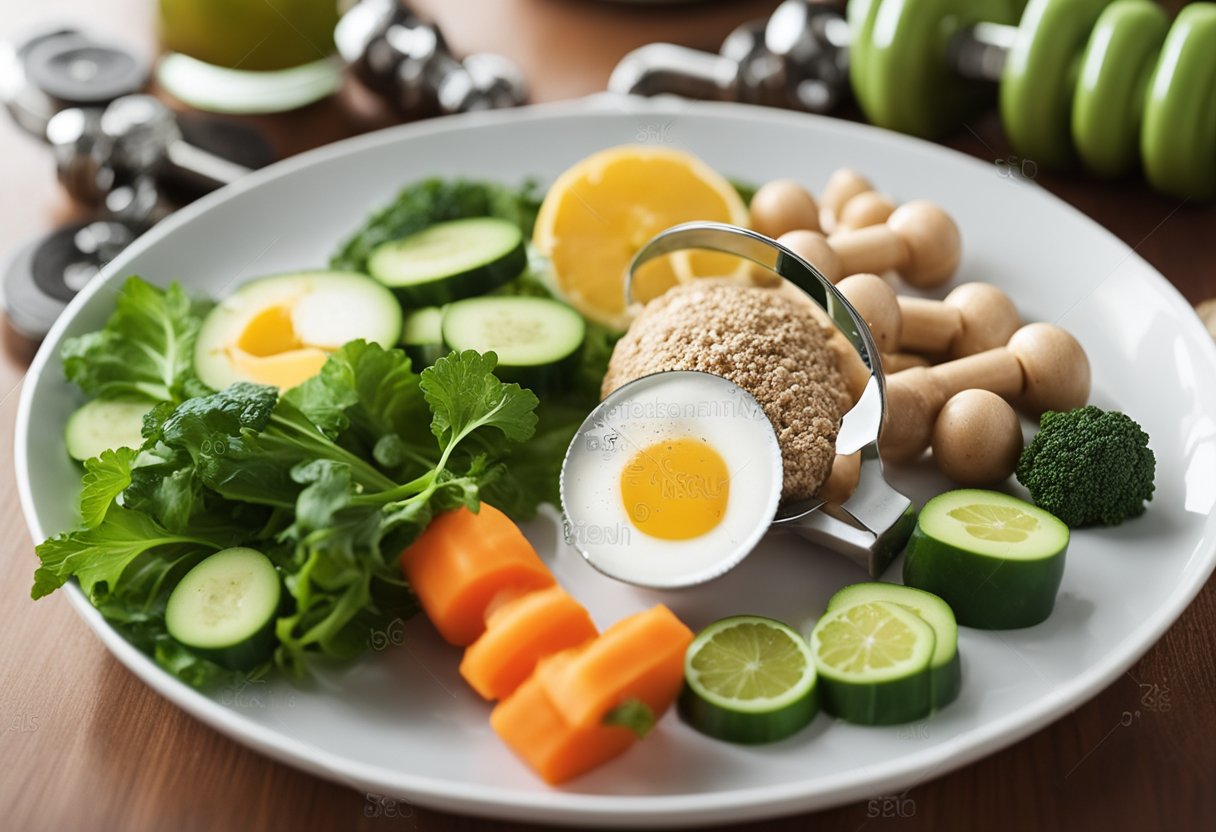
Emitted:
pixel 873 524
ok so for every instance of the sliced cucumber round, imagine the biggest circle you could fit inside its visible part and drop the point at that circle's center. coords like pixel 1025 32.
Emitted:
pixel 450 260
pixel 945 671
pixel 279 330
pixel 874 661
pixel 422 337
pixel 748 679
pixel 996 560
pixel 537 340
pixel 104 425
pixel 224 608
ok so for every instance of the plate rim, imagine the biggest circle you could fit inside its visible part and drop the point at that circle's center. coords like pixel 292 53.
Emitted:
pixel 558 805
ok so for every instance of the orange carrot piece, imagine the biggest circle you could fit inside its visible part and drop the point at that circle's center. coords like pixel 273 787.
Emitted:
pixel 518 635
pixel 639 657
pixel 533 728
pixel 465 563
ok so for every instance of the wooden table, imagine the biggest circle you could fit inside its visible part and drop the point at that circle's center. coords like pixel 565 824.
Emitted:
pixel 85 745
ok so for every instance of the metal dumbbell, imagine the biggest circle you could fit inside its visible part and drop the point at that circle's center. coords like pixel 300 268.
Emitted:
pixel 406 60
pixel 1111 84
pixel 797 59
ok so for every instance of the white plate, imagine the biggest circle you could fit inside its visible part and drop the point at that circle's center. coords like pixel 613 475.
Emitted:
pixel 401 723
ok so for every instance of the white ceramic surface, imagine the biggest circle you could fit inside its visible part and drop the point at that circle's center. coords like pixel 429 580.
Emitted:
pixel 401 723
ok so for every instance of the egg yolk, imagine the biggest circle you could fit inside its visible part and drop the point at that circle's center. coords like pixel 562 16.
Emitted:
pixel 676 489
pixel 269 351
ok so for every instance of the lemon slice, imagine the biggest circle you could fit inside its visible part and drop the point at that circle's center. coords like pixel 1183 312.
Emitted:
pixel 602 210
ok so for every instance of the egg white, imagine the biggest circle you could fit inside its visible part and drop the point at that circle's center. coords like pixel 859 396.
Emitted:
pixel 652 409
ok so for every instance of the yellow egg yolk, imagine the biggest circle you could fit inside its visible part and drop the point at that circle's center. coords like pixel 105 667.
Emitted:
pixel 270 352
pixel 676 489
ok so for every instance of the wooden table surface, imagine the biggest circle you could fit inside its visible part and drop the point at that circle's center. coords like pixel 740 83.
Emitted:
pixel 85 745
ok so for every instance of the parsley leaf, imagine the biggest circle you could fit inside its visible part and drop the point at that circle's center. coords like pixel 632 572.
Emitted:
pixel 145 350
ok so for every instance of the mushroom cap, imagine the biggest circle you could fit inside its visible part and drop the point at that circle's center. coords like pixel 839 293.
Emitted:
pixel 977 438
pixel 876 302
pixel 933 242
pixel 989 318
pixel 783 205
pixel 1055 368
pixel 815 249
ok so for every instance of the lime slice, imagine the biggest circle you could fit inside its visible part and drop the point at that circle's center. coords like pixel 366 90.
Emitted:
pixel 874 659
pixel 749 680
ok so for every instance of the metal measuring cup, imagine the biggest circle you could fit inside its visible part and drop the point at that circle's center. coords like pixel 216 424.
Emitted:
pixel 874 523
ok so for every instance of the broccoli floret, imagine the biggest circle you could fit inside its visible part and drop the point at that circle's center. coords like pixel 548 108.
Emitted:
pixel 1089 465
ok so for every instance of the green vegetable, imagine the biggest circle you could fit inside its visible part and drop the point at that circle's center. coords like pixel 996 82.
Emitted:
pixel 144 352
pixel 633 714
pixel 945 670
pixel 451 260
pixel 874 661
pixel 531 478
pixel 996 560
pixel 102 425
pixel 331 481
pixel 749 679
pixel 436 200
pixel 224 608
pixel 1088 466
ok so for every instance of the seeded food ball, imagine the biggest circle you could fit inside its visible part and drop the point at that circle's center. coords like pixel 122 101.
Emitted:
pixel 762 341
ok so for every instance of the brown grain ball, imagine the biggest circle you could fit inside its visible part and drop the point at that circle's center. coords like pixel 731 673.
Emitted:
pixel 761 341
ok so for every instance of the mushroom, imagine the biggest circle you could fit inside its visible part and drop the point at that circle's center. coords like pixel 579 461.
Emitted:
pixel 866 209
pixel 972 318
pixel 781 206
pixel 977 438
pixel 1042 368
pixel 919 241
pixel 841 188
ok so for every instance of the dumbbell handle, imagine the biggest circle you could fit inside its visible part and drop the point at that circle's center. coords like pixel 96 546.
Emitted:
pixel 917 395
pixel 979 52
pixel 659 68
pixel 928 326
pixel 870 250
pixel 201 167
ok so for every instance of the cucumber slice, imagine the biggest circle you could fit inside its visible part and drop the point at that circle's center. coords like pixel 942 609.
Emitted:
pixel 748 680
pixel 224 608
pixel 996 560
pixel 450 260
pixel 874 661
pixel 537 340
pixel 422 337
pixel 945 670
pixel 104 425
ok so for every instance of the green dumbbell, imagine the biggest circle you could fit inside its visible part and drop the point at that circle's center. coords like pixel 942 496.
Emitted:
pixel 1099 81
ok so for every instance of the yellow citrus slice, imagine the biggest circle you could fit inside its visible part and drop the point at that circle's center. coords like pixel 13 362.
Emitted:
pixel 603 209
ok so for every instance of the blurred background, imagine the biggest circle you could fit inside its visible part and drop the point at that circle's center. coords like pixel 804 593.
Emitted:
pixel 208 89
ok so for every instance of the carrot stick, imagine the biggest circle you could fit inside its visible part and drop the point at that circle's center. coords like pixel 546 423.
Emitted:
pixel 466 563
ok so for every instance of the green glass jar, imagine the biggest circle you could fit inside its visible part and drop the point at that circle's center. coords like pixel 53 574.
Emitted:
pixel 249 55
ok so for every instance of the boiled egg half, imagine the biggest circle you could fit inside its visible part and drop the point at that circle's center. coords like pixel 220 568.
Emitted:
pixel 280 330
pixel 671 480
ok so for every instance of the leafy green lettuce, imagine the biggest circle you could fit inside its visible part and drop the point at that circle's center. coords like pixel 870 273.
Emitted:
pixel 531 478
pixel 145 350
pixel 332 481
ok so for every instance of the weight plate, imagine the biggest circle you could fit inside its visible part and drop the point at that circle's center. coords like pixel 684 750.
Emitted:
pixel 1038 82
pixel 1112 83
pixel 908 80
pixel 1178 141
pixel 79 71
